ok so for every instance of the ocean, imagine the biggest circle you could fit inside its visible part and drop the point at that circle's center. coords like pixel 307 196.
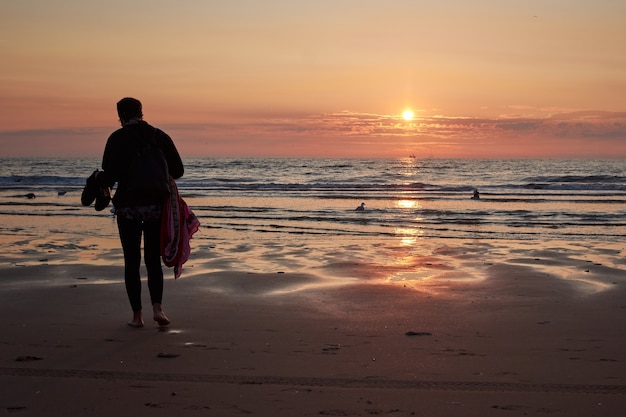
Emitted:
pixel 305 208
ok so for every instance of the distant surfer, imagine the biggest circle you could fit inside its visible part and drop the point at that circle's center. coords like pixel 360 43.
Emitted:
pixel 476 195
pixel 361 207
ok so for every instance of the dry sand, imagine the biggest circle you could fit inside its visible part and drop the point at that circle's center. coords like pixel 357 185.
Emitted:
pixel 520 341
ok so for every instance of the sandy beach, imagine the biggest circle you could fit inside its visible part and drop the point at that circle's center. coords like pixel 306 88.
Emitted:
pixel 298 341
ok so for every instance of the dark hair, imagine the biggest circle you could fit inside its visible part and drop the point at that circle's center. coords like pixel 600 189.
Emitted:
pixel 129 108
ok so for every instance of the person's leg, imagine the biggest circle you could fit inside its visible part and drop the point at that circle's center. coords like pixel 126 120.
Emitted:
pixel 130 236
pixel 152 255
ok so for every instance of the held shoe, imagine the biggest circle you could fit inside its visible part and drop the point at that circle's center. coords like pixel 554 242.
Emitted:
pixel 91 189
pixel 103 198
pixel 94 191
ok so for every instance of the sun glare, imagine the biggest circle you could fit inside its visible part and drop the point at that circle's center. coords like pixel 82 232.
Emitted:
pixel 407 115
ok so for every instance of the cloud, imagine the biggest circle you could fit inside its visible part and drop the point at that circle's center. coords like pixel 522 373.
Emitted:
pixel 349 124
pixel 53 142
pixel 595 133
pixel 352 134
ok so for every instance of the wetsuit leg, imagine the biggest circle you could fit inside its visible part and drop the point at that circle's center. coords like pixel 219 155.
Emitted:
pixel 152 255
pixel 130 236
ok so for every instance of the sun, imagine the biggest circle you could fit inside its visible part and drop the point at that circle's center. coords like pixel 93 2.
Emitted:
pixel 407 115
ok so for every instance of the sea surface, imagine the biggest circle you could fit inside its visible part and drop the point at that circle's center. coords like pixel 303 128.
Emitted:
pixel 243 203
pixel 519 199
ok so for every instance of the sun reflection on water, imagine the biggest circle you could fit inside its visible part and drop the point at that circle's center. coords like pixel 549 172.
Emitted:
pixel 407 204
pixel 408 237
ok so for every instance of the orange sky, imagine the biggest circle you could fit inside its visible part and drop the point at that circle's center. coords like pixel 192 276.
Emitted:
pixel 486 78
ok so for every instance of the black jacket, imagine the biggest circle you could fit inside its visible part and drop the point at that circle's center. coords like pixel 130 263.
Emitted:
pixel 121 146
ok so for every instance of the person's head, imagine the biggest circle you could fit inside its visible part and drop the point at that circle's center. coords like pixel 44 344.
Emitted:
pixel 128 109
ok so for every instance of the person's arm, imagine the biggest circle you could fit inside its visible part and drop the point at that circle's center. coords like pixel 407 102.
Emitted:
pixel 174 162
pixel 110 163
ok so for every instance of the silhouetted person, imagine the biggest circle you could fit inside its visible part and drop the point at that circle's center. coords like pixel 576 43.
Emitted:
pixel 138 213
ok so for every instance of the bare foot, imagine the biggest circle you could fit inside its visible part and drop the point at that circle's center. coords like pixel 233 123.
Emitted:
pixel 137 320
pixel 159 315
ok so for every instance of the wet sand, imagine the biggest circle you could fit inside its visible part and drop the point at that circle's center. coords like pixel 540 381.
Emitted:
pixel 539 332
